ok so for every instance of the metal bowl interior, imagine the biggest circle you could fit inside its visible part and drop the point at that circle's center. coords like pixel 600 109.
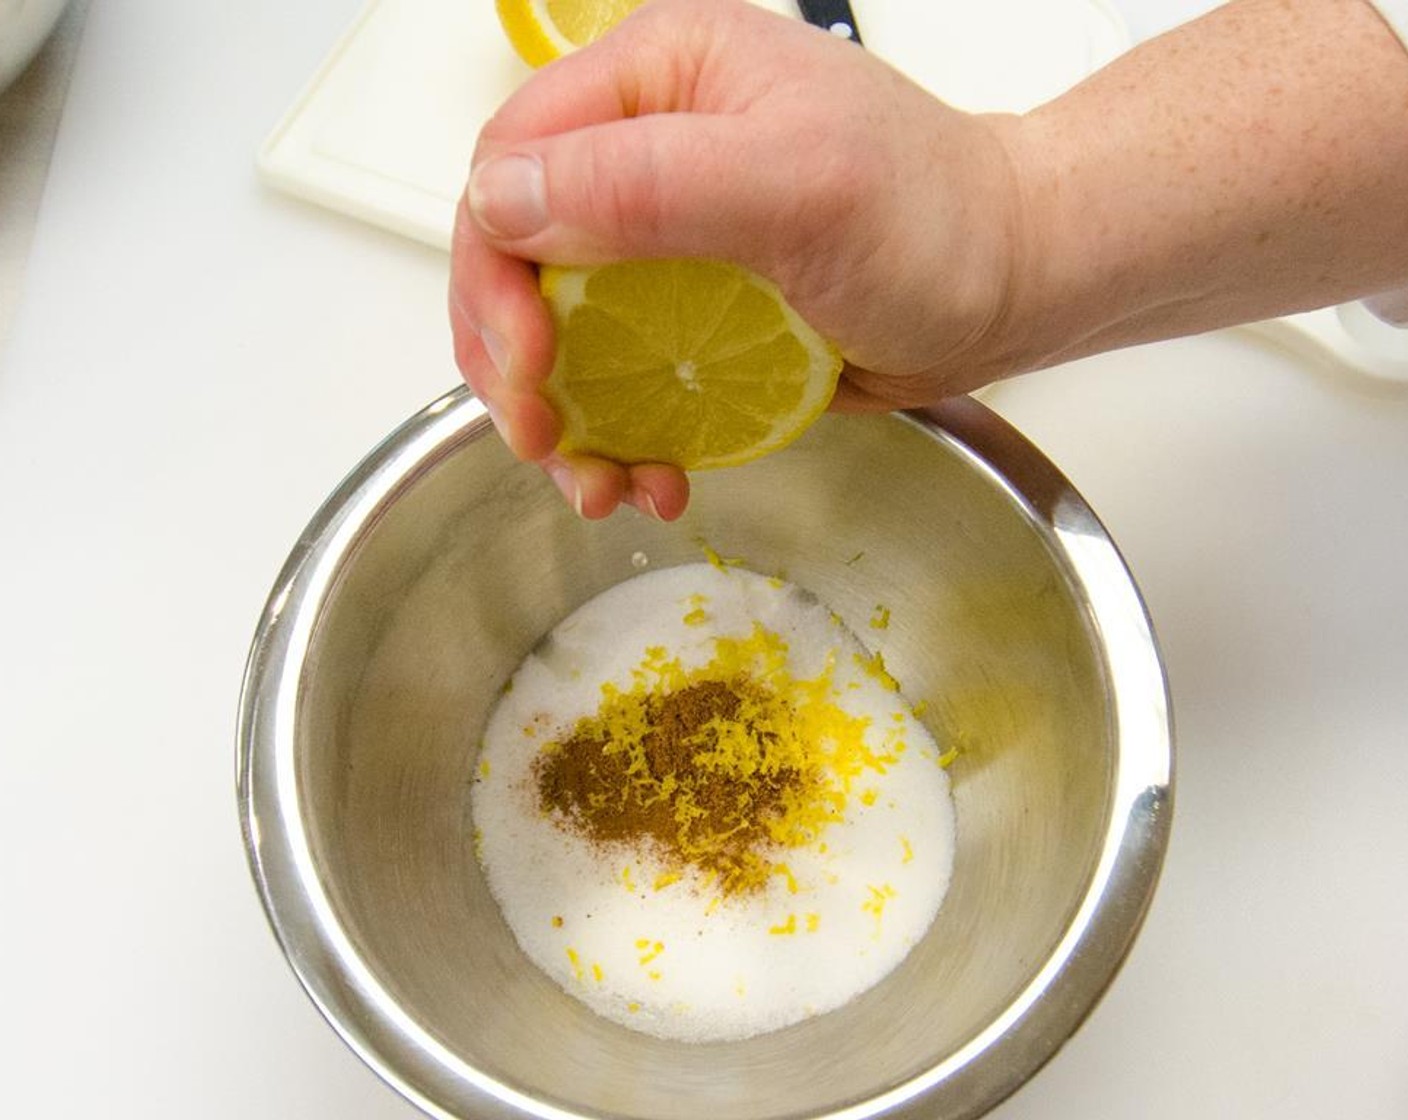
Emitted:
pixel 424 581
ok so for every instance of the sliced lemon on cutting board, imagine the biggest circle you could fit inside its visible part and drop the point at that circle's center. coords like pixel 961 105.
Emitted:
pixel 697 363
pixel 542 30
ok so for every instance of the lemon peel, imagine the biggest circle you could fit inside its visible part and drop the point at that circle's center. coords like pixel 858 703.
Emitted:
pixel 542 30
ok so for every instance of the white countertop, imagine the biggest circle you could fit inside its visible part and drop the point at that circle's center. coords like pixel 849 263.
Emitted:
pixel 197 360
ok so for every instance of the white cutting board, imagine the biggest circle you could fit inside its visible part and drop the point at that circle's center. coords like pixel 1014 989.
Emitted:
pixel 385 129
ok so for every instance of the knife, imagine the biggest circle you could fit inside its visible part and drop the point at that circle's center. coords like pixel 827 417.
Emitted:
pixel 832 15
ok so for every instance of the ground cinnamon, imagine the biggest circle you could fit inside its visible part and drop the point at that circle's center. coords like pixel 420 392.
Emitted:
pixel 665 774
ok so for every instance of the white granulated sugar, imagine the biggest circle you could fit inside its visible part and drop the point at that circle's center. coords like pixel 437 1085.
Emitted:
pixel 671 955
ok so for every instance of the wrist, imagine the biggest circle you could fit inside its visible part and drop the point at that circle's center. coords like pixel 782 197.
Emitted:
pixel 1052 285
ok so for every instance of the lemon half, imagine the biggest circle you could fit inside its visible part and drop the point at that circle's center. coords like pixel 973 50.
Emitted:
pixel 697 363
pixel 542 30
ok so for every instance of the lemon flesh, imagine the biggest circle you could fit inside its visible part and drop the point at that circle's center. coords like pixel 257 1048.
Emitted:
pixel 697 363
pixel 542 30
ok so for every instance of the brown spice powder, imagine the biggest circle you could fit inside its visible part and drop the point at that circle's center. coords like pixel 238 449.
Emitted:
pixel 671 796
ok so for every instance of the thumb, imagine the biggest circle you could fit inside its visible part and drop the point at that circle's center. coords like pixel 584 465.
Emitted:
pixel 667 184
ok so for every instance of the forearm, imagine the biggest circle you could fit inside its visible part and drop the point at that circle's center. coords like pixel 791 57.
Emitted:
pixel 1250 164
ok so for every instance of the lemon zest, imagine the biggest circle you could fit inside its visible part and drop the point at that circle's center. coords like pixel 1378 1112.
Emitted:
pixel 874 666
pixel 785 726
pixel 875 904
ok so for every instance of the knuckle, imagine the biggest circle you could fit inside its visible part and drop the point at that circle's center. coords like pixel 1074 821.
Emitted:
pixel 624 201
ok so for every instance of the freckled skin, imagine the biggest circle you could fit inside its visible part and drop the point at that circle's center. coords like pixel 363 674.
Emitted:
pixel 1219 182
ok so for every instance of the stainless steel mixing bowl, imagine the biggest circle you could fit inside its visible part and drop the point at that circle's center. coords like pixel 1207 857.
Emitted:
pixel 422 583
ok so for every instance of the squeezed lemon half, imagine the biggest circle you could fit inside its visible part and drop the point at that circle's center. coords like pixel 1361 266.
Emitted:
pixel 698 363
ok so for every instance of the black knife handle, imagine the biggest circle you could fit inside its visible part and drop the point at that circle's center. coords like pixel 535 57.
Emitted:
pixel 831 15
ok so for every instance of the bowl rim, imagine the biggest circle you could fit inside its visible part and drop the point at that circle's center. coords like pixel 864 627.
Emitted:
pixel 968 1083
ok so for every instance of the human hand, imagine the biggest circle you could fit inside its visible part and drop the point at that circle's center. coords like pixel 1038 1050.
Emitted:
pixel 887 219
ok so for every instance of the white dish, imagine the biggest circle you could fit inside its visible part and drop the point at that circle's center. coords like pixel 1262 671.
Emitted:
pixel 1350 336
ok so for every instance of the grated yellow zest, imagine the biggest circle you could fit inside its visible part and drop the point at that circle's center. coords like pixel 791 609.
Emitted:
pixel 697 615
pixel 575 961
pixel 880 620
pixel 813 922
pixel 875 903
pixel 786 929
pixel 874 666
pixel 947 757
pixel 664 879
pixel 907 848
pixel 784 725
pixel 721 562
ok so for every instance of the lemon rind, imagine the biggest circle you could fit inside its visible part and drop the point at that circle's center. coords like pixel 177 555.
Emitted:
pixel 531 31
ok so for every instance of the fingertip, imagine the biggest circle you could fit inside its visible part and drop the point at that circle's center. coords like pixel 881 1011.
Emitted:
pixel 592 487
pixel 659 490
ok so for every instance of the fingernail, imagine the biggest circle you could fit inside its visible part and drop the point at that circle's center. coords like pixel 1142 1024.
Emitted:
pixel 508 196
pixel 566 482
pixel 650 507
pixel 497 352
